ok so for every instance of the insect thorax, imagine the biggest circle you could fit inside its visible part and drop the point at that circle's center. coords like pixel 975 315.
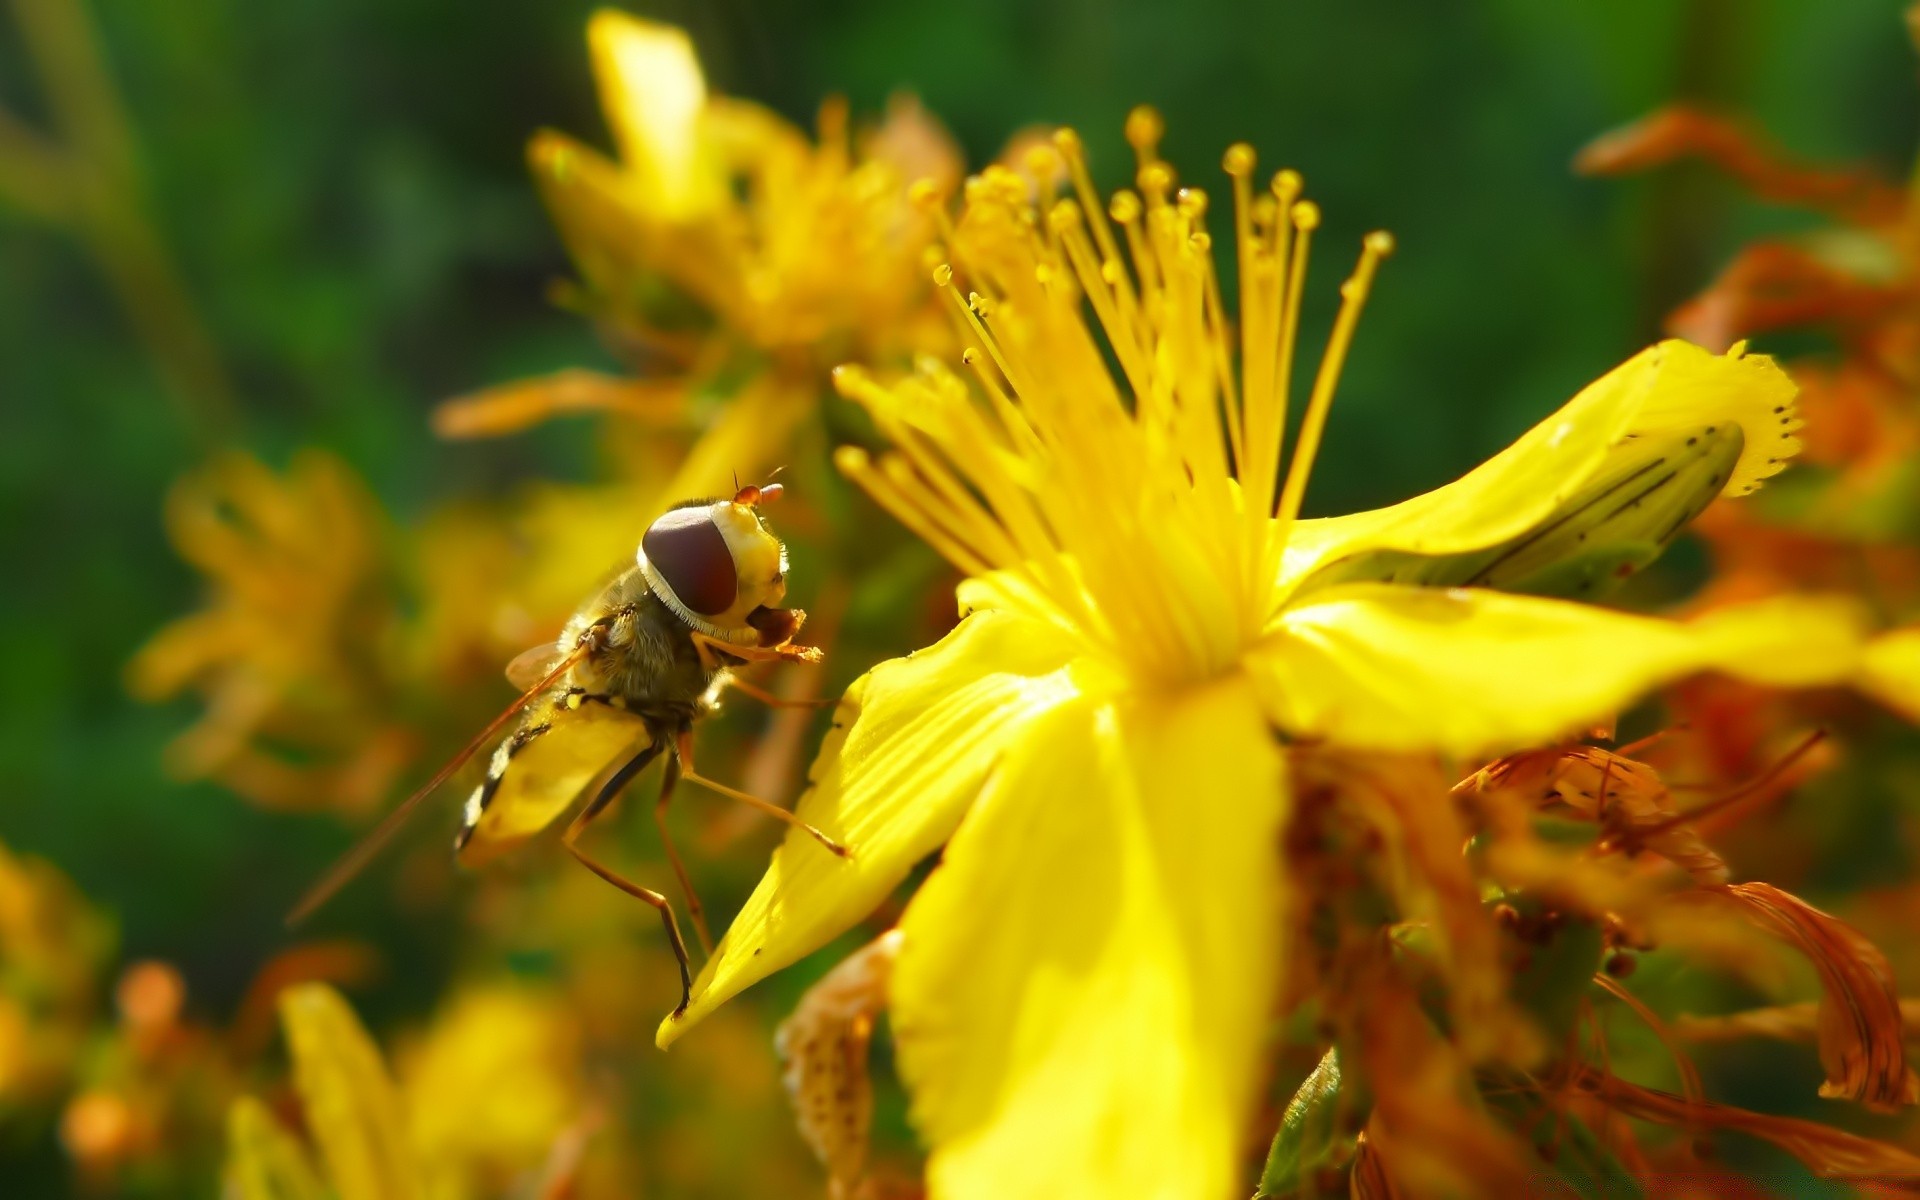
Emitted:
pixel 647 658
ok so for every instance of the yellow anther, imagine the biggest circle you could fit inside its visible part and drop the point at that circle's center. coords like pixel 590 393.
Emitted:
pixel 1043 160
pixel 1288 185
pixel 1238 160
pixel 925 194
pixel 1192 202
pixel 1200 243
pixel 978 304
pixel 1125 206
pixel 1064 216
pixel 1380 242
pixel 1156 180
pixel 969 356
pixel 1067 141
pixel 943 275
pixel 1306 215
pixel 1144 128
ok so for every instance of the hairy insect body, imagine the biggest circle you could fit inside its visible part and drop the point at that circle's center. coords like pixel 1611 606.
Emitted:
pixel 641 682
pixel 623 685
pixel 645 655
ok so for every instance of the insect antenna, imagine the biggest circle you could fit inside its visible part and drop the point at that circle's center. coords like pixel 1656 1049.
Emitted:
pixel 355 860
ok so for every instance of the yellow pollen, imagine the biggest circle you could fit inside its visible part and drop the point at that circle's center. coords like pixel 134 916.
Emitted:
pixel 1155 182
pixel 1145 127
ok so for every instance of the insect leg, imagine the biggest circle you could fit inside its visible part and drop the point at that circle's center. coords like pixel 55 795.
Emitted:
pixel 694 908
pixel 713 652
pixel 570 840
pixel 683 749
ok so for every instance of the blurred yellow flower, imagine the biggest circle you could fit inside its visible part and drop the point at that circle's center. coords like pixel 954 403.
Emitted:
pixel 491 1082
pixel 54 949
pixel 1084 982
pixel 288 649
pixel 488 1094
pixel 722 241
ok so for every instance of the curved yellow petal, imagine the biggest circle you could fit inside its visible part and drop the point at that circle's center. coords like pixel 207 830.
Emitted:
pixel 1665 390
pixel 1891 671
pixel 911 745
pixel 350 1101
pixel 653 92
pixel 264 1161
pixel 1084 983
pixel 1373 666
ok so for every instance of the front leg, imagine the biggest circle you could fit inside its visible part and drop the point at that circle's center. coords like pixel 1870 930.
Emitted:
pixel 714 652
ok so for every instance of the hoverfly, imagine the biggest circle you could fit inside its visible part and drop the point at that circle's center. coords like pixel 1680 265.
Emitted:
pixel 624 683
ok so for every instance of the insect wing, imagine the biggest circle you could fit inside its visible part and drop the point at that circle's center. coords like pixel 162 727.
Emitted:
pixel 532 665
pixel 538 773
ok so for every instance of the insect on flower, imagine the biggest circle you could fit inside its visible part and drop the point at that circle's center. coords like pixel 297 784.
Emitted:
pixel 626 680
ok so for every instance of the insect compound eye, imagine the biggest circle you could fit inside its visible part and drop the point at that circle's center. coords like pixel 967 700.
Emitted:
pixel 692 556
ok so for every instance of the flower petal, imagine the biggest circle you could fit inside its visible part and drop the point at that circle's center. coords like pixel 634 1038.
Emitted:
pixel 653 92
pixel 1891 671
pixel 1378 667
pixel 912 742
pixel 264 1162
pixel 1667 389
pixel 350 1102
pixel 1083 984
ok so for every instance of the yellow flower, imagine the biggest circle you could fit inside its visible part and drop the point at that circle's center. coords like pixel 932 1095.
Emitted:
pixel 489 1093
pixel 287 650
pixel 54 948
pixel 721 230
pixel 1102 744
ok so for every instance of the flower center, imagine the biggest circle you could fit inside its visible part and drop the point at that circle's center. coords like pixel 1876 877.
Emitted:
pixel 1145 515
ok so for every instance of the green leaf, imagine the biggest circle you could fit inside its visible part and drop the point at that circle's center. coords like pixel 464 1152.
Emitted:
pixel 1557 972
pixel 1307 1139
pixel 1578 1160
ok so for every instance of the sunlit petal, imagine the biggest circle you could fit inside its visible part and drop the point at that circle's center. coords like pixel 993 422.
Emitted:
pixel 653 92
pixel 350 1101
pixel 912 743
pixel 1389 668
pixel 1079 992
pixel 1668 389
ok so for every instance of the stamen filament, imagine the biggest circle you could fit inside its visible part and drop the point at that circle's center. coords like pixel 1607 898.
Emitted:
pixel 1353 297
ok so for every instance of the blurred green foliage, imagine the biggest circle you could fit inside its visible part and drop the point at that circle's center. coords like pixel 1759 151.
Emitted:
pixel 341 185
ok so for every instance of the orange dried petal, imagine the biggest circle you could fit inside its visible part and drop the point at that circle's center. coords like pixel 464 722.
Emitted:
pixel 1679 132
pixel 1860 1032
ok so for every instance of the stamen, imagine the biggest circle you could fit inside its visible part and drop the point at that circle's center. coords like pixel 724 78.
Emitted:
pixel 856 464
pixel 1145 127
pixel 1353 297
pixel 1100 289
pixel 926 196
pixel 1126 209
pixel 1068 143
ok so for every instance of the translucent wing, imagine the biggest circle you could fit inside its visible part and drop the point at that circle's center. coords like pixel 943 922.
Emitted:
pixel 566 744
pixel 356 859
pixel 532 665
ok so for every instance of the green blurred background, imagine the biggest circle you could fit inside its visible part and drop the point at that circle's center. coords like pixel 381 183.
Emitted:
pixel 340 185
